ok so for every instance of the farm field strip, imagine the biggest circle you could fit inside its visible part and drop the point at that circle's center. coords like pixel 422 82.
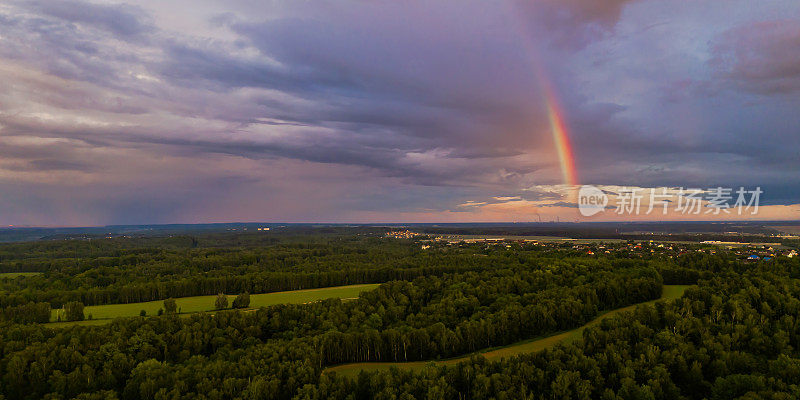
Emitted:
pixel 188 305
pixel 670 292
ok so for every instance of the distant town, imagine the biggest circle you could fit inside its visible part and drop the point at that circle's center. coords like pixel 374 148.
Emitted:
pixel 750 251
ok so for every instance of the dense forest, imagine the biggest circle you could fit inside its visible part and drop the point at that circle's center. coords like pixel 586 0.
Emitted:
pixel 734 336
pixel 734 333
pixel 108 272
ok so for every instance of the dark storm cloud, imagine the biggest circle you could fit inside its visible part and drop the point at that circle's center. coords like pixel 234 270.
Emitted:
pixel 380 110
pixel 367 85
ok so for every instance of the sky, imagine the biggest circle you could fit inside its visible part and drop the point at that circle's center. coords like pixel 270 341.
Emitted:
pixel 382 111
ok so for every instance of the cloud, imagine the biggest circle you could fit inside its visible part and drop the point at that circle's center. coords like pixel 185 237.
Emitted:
pixel 360 101
pixel 574 23
pixel 762 57
pixel 252 106
pixel 471 203
pixel 122 20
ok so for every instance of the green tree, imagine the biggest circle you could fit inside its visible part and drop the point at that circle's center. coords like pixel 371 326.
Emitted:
pixel 221 301
pixel 170 306
pixel 73 311
pixel 242 300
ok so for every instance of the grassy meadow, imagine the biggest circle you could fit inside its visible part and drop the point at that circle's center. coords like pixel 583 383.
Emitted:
pixel 188 305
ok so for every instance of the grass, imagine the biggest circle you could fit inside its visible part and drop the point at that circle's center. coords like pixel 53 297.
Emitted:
pixel 12 275
pixel 528 346
pixel 189 305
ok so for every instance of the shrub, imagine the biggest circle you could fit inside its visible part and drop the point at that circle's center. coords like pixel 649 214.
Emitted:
pixel 242 300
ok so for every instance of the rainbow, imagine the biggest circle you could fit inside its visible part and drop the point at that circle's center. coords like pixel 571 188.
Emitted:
pixel 554 111
pixel 561 138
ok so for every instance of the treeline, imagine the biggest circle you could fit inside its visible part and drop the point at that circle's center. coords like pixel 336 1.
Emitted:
pixel 547 312
pixel 26 313
pixel 139 274
pixel 197 286
pixel 112 273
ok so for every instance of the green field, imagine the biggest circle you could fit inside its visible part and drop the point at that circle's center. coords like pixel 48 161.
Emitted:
pixel 528 346
pixel 188 305
pixel 12 275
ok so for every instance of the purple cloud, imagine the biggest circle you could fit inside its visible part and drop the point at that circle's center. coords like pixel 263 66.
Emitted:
pixel 762 57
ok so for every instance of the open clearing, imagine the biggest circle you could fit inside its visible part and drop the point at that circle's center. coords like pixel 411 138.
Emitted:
pixel 528 346
pixel 189 305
